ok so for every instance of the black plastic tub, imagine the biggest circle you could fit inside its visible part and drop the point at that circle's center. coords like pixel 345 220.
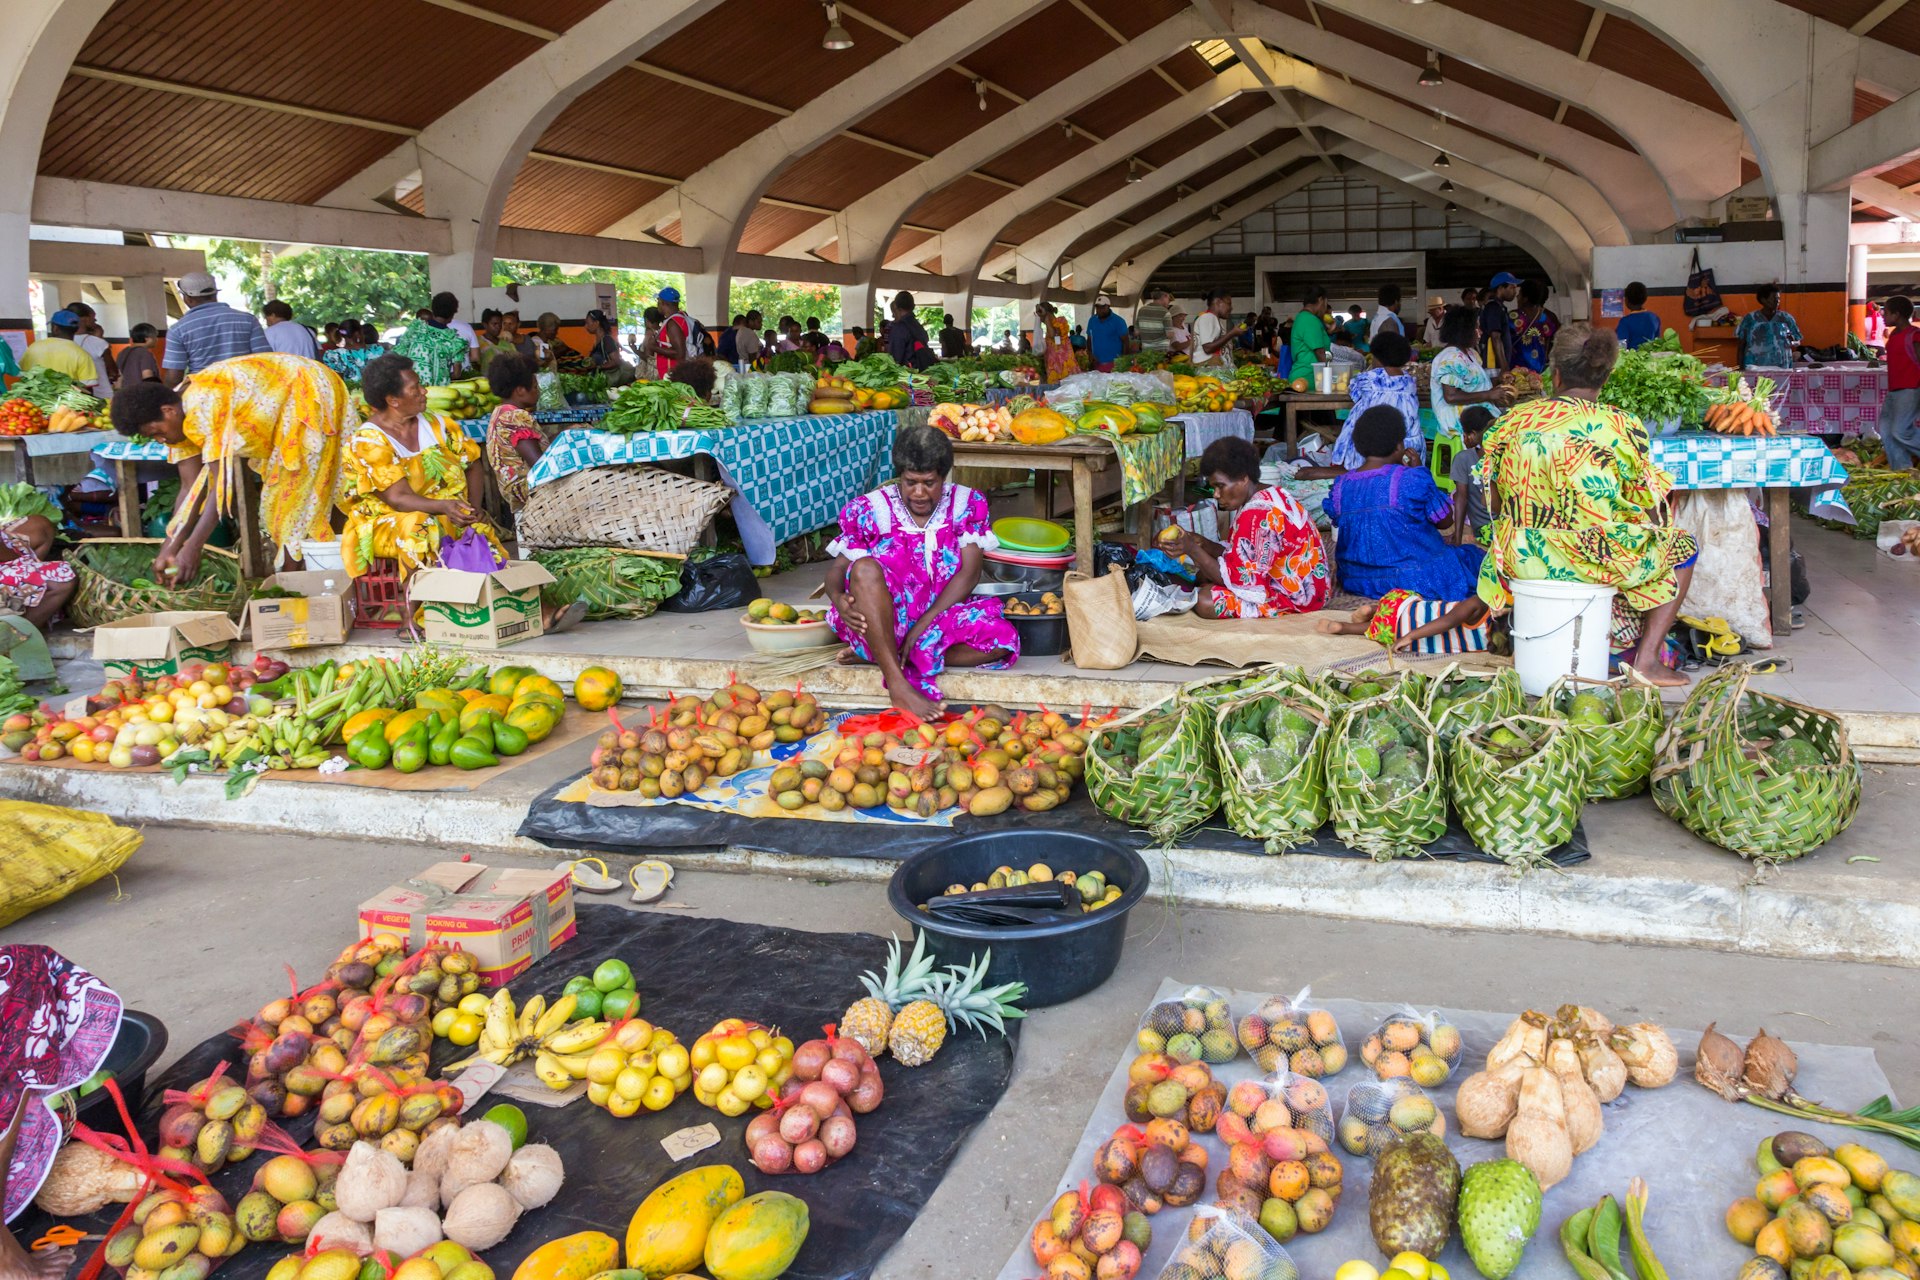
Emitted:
pixel 1041 634
pixel 1057 961
pixel 139 1044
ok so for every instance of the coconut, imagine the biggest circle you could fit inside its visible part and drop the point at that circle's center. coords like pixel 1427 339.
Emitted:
pixel 430 1157
pixel 481 1216
pixel 86 1180
pixel 404 1232
pixel 1584 1123
pixel 1487 1100
pixel 338 1231
pixel 1651 1059
pixel 479 1153
pixel 370 1180
pixel 1603 1068
pixel 534 1175
pixel 423 1191
pixel 1538 1136
pixel 1525 1038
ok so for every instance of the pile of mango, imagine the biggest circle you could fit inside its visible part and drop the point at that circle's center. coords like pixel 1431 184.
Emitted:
pixel 1202 394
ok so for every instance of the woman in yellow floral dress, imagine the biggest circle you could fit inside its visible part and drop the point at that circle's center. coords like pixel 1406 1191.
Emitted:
pixel 1576 498
pixel 412 477
pixel 285 416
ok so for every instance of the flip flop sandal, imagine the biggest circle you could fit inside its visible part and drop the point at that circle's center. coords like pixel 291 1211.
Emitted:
pixel 589 874
pixel 650 880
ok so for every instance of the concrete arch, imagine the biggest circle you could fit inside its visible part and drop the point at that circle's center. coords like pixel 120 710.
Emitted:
pixel 1134 275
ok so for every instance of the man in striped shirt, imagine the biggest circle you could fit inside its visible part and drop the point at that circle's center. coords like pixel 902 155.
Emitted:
pixel 1150 321
pixel 211 331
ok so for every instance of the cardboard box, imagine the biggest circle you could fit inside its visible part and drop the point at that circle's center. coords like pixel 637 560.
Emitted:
pixel 480 610
pixel 1749 208
pixel 505 920
pixel 321 615
pixel 159 644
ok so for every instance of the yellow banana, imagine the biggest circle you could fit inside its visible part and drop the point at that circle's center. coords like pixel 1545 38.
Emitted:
pixel 551 1073
pixel 578 1037
pixel 556 1016
pixel 575 1063
pixel 498 1030
pixel 530 1014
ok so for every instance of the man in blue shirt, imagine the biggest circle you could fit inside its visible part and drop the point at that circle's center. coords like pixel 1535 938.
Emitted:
pixel 1106 334
pixel 1639 326
pixel 210 332
pixel 1496 323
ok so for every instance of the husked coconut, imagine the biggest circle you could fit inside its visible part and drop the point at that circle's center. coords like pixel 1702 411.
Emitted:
pixel 1538 1136
pixel 338 1231
pixel 370 1180
pixel 430 1157
pixel 481 1216
pixel 86 1180
pixel 533 1176
pixel 1651 1059
pixel 1603 1068
pixel 404 1232
pixel 479 1153
pixel 1487 1100
pixel 423 1192
pixel 1584 1122
pixel 1526 1037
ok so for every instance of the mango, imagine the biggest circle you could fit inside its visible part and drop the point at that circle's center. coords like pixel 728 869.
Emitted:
pixel 212 1144
pixel 1831 1201
pixel 195 1266
pixel 296 1220
pixel 287 1268
pixel 1860 1246
pixel 161 1249
pixel 1808 1232
pixel 471 1269
pixel 120 1246
pixel 216 1235
pixel 447 1255
pixel 417 1268
pixel 989 801
pixel 1902 1190
pixel 1810 1170
pixel 332 1264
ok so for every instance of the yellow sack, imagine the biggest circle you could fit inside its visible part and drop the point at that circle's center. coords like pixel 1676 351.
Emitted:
pixel 47 852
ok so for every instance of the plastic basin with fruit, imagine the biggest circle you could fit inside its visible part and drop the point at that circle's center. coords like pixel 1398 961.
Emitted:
pixel 774 626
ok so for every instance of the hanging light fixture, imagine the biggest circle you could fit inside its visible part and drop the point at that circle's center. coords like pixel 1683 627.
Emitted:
pixel 1431 78
pixel 1452 207
pixel 1066 129
pixel 836 37
pixel 980 92
pixel 1440 161
pixel 1133 169
pixel 1446 185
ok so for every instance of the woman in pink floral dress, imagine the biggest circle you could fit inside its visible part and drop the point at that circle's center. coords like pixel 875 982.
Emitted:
pixel 905 565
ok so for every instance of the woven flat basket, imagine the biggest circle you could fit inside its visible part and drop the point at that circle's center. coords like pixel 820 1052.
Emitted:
pixel 1619 755
pixel 1287 811
pixel 1518 810
pixel 1757 806
pixel 104 567
pixel 640 508
pixel 1175 788
pixel 1380 822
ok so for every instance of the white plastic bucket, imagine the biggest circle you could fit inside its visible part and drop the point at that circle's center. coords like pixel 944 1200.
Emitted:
pixel 1560 628
pixel 322 555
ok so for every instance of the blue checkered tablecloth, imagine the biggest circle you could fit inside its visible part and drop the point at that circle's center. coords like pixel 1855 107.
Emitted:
pixel 476 428
pixel 790 475
pixel 1703 460
pixel 122 449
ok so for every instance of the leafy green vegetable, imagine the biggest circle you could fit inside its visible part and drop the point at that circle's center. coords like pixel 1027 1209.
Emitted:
pixel 13 699
pixel 1657 387
pixel 615 583
pixel 875 373
pixel 49 389
pixel 20 500
pixel 593 386
pixel 1667 341
pixel 651 406
pixel 790 362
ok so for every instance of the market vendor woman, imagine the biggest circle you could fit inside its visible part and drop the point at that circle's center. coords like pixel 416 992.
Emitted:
pixel 413 479
pixel 905 565
pixel 1272 561
pixel 285 416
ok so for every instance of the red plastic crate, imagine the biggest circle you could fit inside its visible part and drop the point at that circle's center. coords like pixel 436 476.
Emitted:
pixel 380 597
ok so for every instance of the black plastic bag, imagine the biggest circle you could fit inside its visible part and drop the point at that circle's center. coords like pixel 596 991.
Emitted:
pixel 1140 565
pixel 724 581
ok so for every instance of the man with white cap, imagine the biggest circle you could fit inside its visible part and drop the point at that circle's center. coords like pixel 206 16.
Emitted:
pixel 1430 328
pixel 210 331
pixel 1106 334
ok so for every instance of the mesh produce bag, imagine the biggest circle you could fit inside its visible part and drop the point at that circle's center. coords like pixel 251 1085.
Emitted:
pixel 1378 1113
pixel 1223 1243
pixel 1155 768
pixel 1272 751
pixel 1385 789
pixel 1615 722
pixel 1763 776
pixel 1462 698
pixel 1281 1100
pixel 1293 1035
pixel 1194 1026
pixel 1518 785
pixel 1414 1046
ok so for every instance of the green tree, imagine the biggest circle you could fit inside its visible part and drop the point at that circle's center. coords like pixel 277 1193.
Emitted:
pixel 776 298
pixel 324 284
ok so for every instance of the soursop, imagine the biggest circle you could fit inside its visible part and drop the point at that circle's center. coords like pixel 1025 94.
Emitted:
pixel 1499 1212
pixel 1410 1205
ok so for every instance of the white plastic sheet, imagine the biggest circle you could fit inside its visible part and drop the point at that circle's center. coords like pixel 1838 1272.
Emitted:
pixel 1694 1150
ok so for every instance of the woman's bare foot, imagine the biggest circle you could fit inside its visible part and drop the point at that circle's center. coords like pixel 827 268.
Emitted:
pixel 848 658
pixel 43 1264
pixel 911 700
pixel 1657 672
pixel 1334 627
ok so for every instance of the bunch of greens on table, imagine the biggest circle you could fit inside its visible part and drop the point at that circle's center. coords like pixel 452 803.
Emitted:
pixel 591 386
pixel 13 699
pixel 790 362
pixel 953 380
pixel 48 389
pixel 1657 387
pixel 660 406
pixel 875 373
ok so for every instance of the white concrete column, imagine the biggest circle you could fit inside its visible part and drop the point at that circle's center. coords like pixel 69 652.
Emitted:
pixel 1029 317
pixel 1857 255
pixel 856 307
pixel 55 294
pixel 146 301
pixel 705 299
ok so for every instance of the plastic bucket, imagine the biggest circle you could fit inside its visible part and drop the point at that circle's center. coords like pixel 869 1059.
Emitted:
pixel 322 555
pixel 1560 629
pixel 1057 961
pixel 141 1040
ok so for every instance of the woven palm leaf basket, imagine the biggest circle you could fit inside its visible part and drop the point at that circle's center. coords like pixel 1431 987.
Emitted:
pixel 1518 784
pixel 1619 751
pixel 640 508
pixel 1273 772
pixel 114 579
pixel 1172 785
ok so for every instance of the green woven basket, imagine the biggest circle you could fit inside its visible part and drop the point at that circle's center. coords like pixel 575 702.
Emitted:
pixel 1175 787
pixel 1619 755
pixel 1518 810
pixel 1285 811
pixel 1383 820
pixel 1760 807
pixel 1214 691
pixel 1401 682
pixel 1503 697
pixel 106 569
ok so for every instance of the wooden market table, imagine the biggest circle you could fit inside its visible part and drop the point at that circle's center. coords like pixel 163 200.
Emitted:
pixel 1293 403
pixel 1081 456
pixel 60 458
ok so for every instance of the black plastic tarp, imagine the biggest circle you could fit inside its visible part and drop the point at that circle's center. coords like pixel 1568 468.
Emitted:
pixel 644 829
pixel 691 974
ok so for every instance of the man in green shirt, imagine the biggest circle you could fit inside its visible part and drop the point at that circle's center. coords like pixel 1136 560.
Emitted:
pixel 1309 341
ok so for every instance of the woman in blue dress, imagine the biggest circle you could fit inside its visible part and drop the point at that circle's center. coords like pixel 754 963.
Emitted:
pixel 1387 519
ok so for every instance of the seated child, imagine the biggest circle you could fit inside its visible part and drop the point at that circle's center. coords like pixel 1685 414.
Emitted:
pixel 1409 623
pixel 1470 514
pixel 1390 384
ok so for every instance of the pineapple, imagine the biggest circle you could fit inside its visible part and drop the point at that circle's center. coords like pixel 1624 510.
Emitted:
pixel 868 1020
pixel 953 999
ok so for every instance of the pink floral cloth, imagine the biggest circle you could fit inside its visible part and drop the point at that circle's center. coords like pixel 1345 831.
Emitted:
pixel 25 578
pixel 919 562
pixel 57 1022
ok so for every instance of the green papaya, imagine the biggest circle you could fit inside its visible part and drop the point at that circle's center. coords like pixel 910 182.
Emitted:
pixel 440 746
pixel 410 752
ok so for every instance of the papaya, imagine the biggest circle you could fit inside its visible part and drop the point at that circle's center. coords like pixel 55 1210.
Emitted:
pixel 503 680
pixel 539 684
pixel 444 701
pixel 597 688
pixel 365 719
pixel 1040 426
pixel 400 723
pixel 576 1257
pixel 535 719
pixel 668 1232
pixel 495 705
pixel 757 1238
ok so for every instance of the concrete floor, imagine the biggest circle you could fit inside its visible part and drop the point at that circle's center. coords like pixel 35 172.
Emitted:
pixel 199 923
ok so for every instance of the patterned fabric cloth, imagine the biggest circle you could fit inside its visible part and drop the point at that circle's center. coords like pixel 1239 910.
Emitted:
pixel 1376 386
pixel 57 1022
pixel 25 578
pixel 1274 561
pixel 438 471
pixel 1462 371
pixel 1770 339
pixel 1533 338
pixel 351 362
pixel 1387 539
pixel 285 416
pixel 1402 611
pixel 918 561
pixel 1202 429
pixel 1147 462
pixel 434 351
pixel 1579 500
pixel 1060 361
pixel 507 427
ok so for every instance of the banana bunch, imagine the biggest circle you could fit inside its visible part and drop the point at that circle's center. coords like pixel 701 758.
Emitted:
pixel 286 740
pixel 536 1030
